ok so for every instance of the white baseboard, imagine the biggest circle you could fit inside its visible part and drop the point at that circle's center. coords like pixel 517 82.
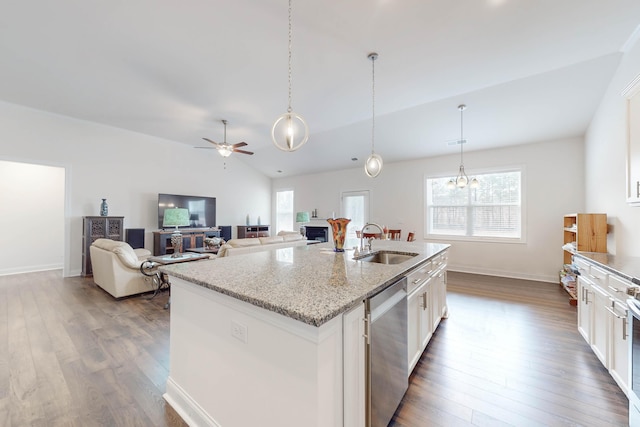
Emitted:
pixel 190 412
pixel 29 269
pixel 504 273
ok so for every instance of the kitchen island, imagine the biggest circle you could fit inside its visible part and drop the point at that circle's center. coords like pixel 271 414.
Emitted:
pixel 274 338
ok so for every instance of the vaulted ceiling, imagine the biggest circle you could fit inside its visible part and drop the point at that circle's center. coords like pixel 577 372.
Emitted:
pixel 528 70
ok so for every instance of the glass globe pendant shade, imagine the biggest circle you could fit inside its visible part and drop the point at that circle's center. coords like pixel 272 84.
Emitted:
pixel 474 183
pixel 225 150
pixel 373 165
pixel 289 132
pixel 462 180
pixel 451 184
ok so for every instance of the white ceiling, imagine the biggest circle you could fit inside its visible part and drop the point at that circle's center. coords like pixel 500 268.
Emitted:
pixel 528 70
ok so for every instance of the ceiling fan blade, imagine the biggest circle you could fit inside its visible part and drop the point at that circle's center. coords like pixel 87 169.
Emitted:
pixel 243 152
pixel 207 148
pixel 239 144
pixel 213 142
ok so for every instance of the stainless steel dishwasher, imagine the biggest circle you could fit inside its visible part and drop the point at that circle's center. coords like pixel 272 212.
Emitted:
pixel 386 353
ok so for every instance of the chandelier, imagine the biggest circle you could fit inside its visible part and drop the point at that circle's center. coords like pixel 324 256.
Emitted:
pixel 462 179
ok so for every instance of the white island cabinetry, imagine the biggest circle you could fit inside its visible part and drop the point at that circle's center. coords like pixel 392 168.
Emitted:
pixel 280 344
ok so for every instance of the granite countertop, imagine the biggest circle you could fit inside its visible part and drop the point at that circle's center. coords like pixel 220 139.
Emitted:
pixel 312 284
pixel 626 267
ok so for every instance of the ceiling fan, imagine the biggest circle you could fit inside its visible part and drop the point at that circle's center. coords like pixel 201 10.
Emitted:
pixel 224 148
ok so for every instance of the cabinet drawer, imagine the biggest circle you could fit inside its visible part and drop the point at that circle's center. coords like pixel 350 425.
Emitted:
pixel 599 276
pixel 618 286
pixel 418 276
pixel 583 266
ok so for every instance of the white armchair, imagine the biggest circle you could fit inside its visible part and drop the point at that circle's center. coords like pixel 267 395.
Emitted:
pixel 116 268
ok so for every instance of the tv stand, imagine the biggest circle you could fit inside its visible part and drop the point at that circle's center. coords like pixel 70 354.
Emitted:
pixel 191 238
pixel 248 231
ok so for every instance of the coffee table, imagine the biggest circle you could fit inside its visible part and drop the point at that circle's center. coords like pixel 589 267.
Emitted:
pixel 149 267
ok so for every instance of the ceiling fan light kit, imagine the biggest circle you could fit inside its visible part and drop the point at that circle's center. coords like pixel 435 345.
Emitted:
pixel 290 131
pixel 373 164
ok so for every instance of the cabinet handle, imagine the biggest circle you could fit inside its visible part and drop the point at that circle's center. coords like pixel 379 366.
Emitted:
pixel 586 296
pixel 367 322
pixel 637 189
pixel 613 289
pixel 624 322
pixel 424 301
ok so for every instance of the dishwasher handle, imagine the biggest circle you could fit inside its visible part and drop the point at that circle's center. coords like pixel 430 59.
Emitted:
pixel 379 304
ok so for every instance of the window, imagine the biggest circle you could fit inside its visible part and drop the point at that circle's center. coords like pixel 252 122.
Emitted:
pixel 284 211
pixel 491 212
pixel 355 206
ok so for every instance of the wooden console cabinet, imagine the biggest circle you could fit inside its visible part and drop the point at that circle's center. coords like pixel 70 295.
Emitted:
pixel 96 227
pixel 191 238
pixel 246 231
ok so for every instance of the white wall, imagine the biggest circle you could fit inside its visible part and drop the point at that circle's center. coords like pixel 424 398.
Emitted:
pixel 554 174
pixel 129 170
pixel 32 212
pixel 605 158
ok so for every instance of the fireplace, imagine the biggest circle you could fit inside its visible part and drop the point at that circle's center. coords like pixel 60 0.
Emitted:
pixel 317 233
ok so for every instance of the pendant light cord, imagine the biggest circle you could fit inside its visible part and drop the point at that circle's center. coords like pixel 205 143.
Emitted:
pixel 461 107
pixel 373 100
pixel 290 43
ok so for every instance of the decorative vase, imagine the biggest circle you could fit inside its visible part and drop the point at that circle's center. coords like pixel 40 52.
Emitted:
pixel 339 228
pixel 104 208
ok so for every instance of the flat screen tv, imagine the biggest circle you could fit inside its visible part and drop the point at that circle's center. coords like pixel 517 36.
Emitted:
pixel 202 210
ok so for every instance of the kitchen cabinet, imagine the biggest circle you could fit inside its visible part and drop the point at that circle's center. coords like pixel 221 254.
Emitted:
pixel 419 326
pixel 584 308
pixel 600 324
pixel 602 318
pixel 426 305
pixel 632 95
pixel 619 356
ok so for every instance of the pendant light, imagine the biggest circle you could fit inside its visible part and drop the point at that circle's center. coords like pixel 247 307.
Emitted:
pixel 462 179
pixel 373 165
pixel 290 131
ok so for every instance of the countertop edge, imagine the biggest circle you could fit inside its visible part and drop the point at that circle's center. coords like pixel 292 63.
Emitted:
pixel 296 315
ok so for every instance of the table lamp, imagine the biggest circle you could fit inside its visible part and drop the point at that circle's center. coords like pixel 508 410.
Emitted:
pixel 302 218
pixel 176 217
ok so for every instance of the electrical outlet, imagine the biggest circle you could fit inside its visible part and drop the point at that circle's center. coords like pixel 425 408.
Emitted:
pixel 239 331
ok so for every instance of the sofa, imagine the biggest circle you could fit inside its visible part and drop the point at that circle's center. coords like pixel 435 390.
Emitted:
pixel 116 268
pixel 284 239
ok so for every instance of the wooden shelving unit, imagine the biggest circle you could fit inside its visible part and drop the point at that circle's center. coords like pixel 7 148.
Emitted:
pixel 583 232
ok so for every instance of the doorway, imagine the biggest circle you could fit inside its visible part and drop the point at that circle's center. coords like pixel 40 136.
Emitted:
pixel 33 211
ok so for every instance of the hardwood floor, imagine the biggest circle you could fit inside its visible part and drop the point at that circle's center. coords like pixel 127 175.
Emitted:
pixel 509 354
pixel 70 355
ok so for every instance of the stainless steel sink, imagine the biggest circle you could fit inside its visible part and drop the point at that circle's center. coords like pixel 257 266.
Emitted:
pixel 386 257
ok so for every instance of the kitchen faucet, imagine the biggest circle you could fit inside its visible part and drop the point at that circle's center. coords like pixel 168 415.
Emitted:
pixel 370 239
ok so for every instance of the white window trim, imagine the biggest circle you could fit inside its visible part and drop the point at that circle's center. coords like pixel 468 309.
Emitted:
pixel 523 206
pixel 275 207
